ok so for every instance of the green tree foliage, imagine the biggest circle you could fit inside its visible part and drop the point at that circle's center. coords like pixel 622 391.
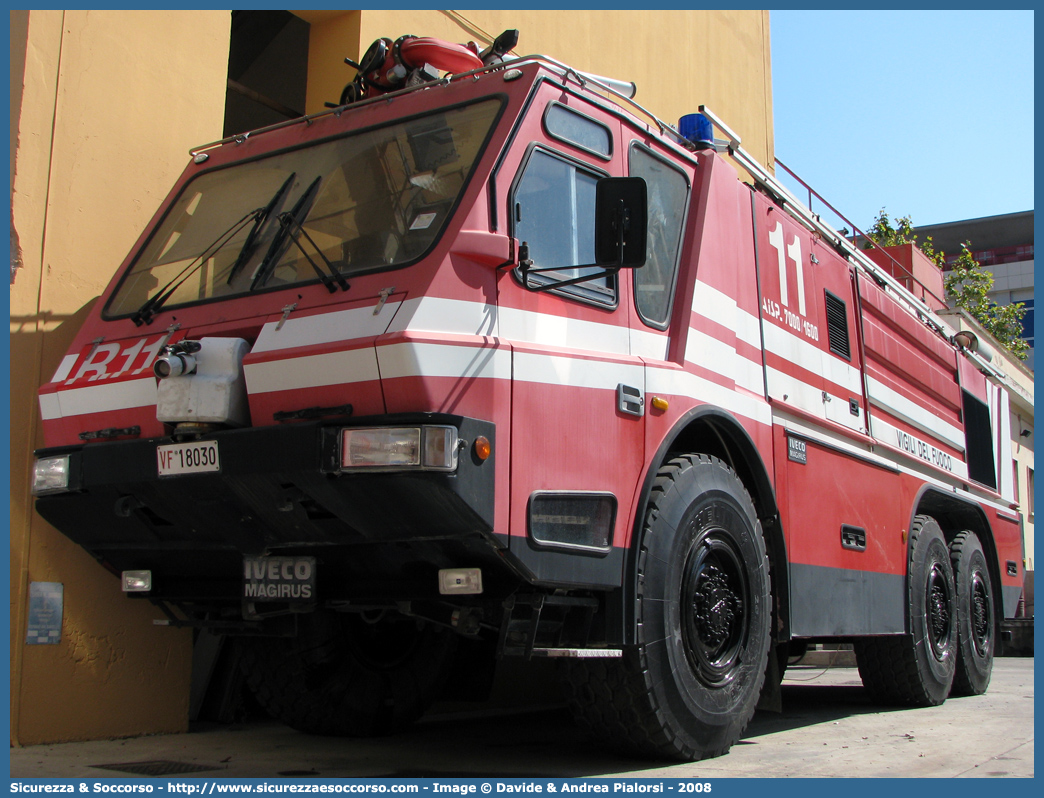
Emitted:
pixel 967 284
pixel 887 234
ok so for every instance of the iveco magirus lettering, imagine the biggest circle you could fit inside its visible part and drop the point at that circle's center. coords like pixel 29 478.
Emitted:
pixel 487 361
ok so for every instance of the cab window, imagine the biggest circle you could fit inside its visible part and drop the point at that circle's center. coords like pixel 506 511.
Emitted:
pixel 554 213
pixel 667 190
pixel 578 130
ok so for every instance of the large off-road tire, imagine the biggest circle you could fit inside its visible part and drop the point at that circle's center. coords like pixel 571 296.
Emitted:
pixel 976 619
pixel 343 676
pixel 689 687
pixel 917 669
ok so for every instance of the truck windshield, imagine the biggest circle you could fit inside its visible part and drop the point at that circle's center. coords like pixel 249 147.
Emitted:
pixel 383 196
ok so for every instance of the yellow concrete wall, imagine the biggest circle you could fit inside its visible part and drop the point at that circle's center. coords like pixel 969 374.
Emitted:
pixel 110 102
pixel 679 59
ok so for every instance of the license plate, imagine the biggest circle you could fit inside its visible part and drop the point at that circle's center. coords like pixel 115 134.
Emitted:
pixel 279 578
pixel 198 457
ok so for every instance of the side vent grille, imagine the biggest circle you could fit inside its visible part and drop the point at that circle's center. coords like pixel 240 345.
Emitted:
pixel 837 326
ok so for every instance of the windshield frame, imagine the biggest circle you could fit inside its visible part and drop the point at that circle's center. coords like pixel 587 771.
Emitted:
pixel 172 202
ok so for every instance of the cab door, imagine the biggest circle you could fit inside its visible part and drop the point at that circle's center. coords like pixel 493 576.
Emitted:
pixel 577 392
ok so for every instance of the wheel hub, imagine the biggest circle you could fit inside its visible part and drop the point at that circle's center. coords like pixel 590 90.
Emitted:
pixel 715 606
pixel 938 611
pixel 980 614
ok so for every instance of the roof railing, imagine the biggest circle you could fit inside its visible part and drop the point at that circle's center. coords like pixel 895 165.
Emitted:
pixel 856 232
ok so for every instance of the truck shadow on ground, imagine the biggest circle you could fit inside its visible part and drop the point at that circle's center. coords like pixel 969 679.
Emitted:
pixel 546 742
pixel 533 735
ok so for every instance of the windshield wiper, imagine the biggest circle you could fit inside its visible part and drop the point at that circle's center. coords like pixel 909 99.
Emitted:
pixel 147 312
pixel 261 217
pixel 290 223
pixel 282 239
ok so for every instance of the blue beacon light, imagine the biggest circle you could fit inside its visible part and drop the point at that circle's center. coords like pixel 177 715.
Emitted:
pixel 698 130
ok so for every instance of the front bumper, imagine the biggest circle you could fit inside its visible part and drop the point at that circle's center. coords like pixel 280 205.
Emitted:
pixel 280 491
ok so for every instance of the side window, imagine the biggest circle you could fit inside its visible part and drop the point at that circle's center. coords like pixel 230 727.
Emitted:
pixel 668 190
pixel 581 131
pixel 554 212
pixel 978 433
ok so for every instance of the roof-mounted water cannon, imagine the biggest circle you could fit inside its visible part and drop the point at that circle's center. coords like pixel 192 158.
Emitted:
pixel 177 359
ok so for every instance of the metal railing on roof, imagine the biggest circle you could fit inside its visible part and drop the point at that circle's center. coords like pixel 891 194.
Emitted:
pixel 857 233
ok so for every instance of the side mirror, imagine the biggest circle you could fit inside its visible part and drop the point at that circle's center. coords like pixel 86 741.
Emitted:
pixel 620 234
pixel 621 216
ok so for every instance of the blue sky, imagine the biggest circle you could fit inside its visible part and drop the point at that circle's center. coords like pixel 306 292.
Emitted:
pixel 925 113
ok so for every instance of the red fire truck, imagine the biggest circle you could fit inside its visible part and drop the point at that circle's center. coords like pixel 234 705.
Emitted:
pixel 489 361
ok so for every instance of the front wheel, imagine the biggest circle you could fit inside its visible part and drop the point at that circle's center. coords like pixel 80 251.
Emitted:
pixel 690 686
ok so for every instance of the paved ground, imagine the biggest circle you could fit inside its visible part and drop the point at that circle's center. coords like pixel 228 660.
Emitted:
pixel 829 728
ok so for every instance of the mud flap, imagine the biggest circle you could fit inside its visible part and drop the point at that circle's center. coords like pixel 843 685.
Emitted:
pixel 771 698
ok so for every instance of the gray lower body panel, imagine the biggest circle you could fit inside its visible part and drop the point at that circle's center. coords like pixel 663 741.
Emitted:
pixel 1011 596
pixel 837 602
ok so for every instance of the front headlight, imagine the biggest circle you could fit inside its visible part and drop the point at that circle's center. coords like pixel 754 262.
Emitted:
pixel 51 475
pixel 431 448
pixel 137 581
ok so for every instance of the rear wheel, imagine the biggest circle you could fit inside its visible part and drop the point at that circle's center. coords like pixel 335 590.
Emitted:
pixel 918 668
pixel 349 675
pixel 690 686
pixel 975 616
